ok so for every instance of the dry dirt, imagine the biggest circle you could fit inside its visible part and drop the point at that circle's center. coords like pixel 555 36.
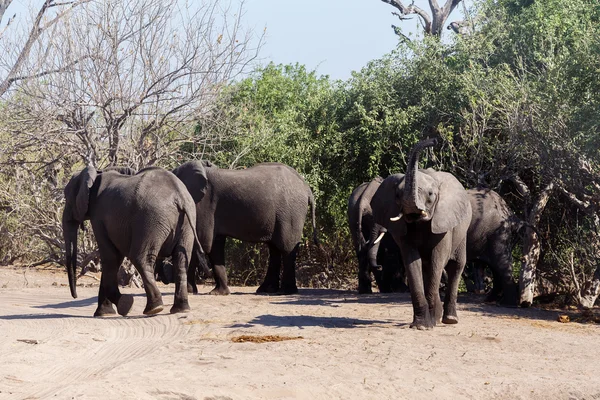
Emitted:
pixel 319 344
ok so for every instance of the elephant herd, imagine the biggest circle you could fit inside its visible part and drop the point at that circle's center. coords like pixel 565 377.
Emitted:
pixel 185 214
pixel 425 219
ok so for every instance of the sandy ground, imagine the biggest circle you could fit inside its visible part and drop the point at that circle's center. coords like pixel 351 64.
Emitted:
pixel 345 347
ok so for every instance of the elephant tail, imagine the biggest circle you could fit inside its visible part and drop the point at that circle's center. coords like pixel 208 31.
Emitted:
pixel 311 202
pixel 198 252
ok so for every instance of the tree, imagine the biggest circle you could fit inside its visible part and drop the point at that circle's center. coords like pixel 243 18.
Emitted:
pixel 124 83
pixel 433 24
pixel 20 66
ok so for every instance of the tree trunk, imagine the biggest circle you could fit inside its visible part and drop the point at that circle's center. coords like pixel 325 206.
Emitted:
pixel 531 249
pixel 590 290
pixel 432 24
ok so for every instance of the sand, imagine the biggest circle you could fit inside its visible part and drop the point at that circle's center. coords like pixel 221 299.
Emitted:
pixel 319 344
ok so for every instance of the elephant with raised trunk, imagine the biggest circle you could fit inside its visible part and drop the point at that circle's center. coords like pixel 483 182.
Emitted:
pixel 265 203
pixel 490 240
pixel 428 213
pixel 142 217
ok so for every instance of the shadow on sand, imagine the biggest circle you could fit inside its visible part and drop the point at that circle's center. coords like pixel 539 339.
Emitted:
pixel 302 321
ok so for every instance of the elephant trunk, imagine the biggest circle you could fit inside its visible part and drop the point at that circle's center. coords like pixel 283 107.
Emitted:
pixel 411 198
pixel 70 231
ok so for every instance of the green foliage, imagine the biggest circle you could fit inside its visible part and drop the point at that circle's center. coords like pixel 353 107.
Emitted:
pixel 518 97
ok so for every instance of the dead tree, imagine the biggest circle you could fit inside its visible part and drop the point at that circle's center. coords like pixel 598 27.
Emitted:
pixel 433 24
pixel 20 69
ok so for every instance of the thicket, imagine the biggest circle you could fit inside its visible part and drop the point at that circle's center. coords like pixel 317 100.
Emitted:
pixel 515 101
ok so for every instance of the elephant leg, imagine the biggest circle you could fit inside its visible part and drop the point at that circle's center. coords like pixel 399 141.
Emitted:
pixel 217 259
pixel 109 293
pixel 288 278
pixel 106 287
pixel 412 262
pixel 364 278
pixel 432 276
pixel 271 281
pixel 454 269
pixel 144 265
pixel 192 274
pixel 507 290
pixel 181 261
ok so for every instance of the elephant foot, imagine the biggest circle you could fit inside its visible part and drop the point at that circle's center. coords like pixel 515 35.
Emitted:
pixel 422 324
pixel 492 297
pixel 365 290
pixel 104 310
pixel 288 290
pixel 267 288
pixel 450 319
pixel 220 291
pixel 192 288
pixel 180 308
pixel 153 308
pixel 124 304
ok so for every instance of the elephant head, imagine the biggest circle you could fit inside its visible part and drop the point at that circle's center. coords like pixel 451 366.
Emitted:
pixel 193 176
pixel 77 198
pixel 427 195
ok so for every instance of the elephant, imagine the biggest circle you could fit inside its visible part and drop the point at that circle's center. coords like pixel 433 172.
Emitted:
pixel 382 258
pixel 264 203
pixel 428 213
pixel 490 240
pixel 142 217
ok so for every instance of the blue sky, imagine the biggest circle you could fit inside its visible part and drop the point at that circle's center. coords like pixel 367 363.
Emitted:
pixel 335 37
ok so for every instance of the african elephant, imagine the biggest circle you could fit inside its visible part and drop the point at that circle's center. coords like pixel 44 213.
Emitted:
pixel 141 217
pixel 490 240
pixel 427 212
pixel 381 258
pixel 264 203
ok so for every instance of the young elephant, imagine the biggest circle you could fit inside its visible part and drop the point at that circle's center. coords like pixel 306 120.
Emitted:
pixel 141 217
pixel 264 203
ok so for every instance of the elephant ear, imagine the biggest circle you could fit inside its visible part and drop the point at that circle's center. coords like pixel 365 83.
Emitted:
pixel 193 176
pixel 384 204
pixel 82 199
pixel 453 205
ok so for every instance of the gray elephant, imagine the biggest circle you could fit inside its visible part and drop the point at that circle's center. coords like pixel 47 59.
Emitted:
pixel 142 217
pixel 265 203
pixel 428 213
pixel 490 240
pixel 382 258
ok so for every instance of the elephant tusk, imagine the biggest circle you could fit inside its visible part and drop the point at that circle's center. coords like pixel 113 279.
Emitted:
pixel 394 219
pixel 379 238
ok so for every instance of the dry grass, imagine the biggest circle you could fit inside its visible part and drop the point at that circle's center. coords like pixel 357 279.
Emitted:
pixel 263 338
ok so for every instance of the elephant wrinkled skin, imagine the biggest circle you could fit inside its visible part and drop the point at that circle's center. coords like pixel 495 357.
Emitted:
pixel 142 217
pixel 490 240
pixel 264 203
pixel 383 257
pixel 428 213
